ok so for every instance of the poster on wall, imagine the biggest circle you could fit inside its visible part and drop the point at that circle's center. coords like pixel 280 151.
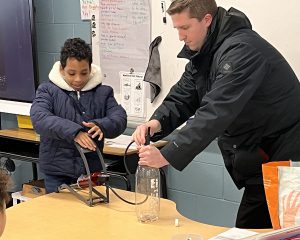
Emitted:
pixel 133 93
pixel 124 38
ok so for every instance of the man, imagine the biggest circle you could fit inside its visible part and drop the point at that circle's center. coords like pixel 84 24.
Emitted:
pixel 241 91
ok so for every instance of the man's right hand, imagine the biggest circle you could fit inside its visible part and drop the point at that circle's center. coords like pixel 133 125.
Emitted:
pixel 85 141
pixel 142 130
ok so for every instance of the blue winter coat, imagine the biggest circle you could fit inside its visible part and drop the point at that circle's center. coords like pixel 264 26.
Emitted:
pixel 57 115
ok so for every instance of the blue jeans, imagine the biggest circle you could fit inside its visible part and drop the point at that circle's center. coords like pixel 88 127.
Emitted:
pixel 52 182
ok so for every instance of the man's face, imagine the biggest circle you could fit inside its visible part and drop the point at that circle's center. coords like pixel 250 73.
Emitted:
pixel 76 73
pixel 190 30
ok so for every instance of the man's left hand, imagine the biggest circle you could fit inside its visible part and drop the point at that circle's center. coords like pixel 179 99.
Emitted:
pixel 151 156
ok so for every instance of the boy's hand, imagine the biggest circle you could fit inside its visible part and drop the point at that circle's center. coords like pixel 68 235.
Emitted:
pixel 94 130
pixel 84 140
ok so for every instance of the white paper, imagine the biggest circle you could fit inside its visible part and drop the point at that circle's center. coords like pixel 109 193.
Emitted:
pixel 121 141
pixel 87 8
pixel 234 233
pixel 133 93
pixel 280 234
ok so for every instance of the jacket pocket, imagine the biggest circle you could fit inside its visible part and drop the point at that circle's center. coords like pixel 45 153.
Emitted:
pixel 242 162
pixel 248 161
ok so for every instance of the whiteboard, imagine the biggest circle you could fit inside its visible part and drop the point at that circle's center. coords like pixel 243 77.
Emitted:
pixel 276 21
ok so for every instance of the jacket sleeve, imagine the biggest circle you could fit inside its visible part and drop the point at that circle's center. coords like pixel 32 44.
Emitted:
pixel 178 106
pixel 114 122
pixel 45 122
pixel 240 71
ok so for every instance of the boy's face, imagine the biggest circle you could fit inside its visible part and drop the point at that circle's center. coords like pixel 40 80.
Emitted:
pixel 76 73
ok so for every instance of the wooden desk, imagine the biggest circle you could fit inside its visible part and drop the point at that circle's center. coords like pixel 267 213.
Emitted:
pixel 62 216
pixel 108 149
pixel 29 135
pixel 21 134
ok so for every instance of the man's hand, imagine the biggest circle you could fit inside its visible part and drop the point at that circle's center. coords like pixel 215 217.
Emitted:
pixel 84 140
pixel 141 131
pixel 94 130
pixel 151 156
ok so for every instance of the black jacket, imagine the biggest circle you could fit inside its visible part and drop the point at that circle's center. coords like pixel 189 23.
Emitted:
pixel 241 90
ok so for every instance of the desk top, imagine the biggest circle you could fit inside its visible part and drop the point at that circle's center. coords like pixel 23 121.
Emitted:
pixel 31 136
pixel 62 216
pixel 20 134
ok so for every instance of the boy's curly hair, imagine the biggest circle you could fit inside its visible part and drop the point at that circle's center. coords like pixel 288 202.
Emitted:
pixel 76 48
pixel 4 185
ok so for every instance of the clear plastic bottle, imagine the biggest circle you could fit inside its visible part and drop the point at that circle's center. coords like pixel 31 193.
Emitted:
pixel 147 193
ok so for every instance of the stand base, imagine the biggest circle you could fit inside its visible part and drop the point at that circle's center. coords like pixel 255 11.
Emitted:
pixel 99 179
pixel 91 200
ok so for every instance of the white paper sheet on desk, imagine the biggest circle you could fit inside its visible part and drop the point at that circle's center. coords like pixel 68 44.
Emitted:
pixel 234 233
pixel 121 142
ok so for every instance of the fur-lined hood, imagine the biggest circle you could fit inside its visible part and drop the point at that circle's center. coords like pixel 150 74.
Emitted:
pixel 95 78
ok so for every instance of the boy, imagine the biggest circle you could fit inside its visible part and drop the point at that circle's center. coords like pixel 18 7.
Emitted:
pixel 74 107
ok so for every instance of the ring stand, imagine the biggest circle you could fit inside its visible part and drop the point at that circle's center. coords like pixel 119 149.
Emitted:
pixel 102 179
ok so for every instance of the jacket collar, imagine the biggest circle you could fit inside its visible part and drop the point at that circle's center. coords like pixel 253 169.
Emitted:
pixel 57 79
pixel 223 25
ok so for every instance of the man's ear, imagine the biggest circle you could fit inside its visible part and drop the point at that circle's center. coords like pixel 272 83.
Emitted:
pixel 208 19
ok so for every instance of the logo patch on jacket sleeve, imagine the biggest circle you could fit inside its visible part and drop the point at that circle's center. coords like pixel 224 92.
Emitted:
pixel 226 67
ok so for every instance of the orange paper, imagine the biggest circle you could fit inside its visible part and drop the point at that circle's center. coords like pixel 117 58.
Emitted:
pixel 270 178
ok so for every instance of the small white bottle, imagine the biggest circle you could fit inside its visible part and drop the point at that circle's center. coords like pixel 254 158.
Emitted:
pixel 147 194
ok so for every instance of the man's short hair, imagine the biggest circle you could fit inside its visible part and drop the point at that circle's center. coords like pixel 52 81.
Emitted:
pixel 196 8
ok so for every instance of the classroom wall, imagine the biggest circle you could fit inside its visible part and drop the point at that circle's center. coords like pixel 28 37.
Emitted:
pixel 203 191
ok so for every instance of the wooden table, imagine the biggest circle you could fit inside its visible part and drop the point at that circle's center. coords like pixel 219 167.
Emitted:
pixel 62 216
